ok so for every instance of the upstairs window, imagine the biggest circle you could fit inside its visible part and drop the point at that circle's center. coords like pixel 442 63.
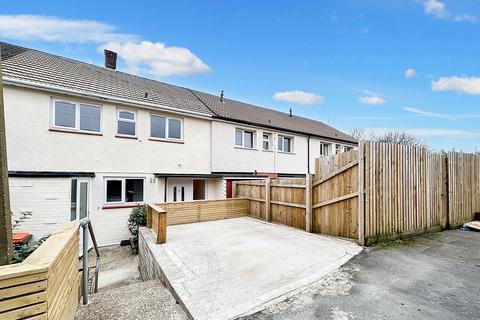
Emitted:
pixel 165 128
pixel 126 123
pixel 284 144
pixel 244 138
pixel 124 190
pixel 324 149
pixel 266 141
pixel 347 148
pixel 337 148
pixel 76 116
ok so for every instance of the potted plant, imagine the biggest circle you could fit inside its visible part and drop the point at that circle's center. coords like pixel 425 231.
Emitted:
pixel 138 218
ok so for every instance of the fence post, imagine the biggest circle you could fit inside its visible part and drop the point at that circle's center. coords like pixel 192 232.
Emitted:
pixel 149 217
pixel 267 199
pixel 361 193
pixel 162 227
pixel 308 203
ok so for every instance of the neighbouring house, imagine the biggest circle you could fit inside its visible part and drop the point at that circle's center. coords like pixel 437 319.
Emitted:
pixel 88 140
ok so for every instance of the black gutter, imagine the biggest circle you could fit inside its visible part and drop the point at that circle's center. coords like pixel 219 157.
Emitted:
pixel 186 175
pixel 49 174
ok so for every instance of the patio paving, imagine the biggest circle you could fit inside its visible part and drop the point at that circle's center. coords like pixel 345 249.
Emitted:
pixel 229 268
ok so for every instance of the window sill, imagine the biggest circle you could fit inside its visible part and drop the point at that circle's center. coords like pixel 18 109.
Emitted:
pixel 126 137
pixel 267 150
pixel 76 132
pixel 121 206
pixel 243 148
pixel 292 153
pixel 167 140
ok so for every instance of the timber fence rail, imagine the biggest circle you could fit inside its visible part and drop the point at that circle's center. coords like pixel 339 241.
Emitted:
pixel 46 285
pixel 161 215
pixel 380 192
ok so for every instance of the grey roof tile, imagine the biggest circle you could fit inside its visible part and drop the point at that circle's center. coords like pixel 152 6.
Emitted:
pixel 44 68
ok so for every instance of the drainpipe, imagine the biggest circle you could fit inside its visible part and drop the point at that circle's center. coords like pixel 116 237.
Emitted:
pixel 165 189
pixel 308 155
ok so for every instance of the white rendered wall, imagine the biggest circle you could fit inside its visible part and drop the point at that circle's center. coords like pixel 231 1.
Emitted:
pixel 32 147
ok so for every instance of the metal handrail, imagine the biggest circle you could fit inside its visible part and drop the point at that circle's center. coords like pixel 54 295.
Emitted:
pixel 84 224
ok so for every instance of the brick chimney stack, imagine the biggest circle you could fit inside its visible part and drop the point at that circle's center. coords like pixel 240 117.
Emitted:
pixel 110 59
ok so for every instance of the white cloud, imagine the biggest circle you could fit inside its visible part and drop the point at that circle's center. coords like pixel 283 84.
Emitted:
pixel 45 28
pixel 428 114
pixel 468 85
pixel 157 59
pixel 372 100
pixel 436 8
pixel 299 97
pixel 143 57
pixel 439 10
pixel 410 73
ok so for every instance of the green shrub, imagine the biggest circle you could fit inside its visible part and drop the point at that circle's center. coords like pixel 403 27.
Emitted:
pixel 138 218
pixel 22 250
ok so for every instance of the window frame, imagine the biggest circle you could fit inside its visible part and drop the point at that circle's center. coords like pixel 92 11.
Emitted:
pixel 283 137
pixel 77 105
pixel 322 150
pixel 253 132
pixel 134 121
pixel 123 194
pixel 167 118
pixel 268 141
pixel 346 148
pixel 338 148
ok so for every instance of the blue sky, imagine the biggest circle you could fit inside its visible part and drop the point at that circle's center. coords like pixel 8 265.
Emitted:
pixel 341 62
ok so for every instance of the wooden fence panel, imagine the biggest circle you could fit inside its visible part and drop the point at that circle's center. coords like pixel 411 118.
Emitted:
pixel 46 284
pixel 405 191
pixel 288 204
pixel 335 195
pixel 463 187
pixel 254 191
pixel 204 210
pixel 287 200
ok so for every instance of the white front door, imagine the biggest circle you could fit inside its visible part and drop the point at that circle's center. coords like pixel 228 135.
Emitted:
pixel 177 192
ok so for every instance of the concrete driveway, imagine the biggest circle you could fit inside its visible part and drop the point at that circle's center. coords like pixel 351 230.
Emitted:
pixel 228 268
pixel 429 277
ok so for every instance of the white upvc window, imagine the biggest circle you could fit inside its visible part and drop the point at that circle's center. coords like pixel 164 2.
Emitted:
pixel 324 149
pixel 347 148
pixel 337 148
pixel 266 137
pixel 285 143
pixel 244 138
pixel 126 123
pixel 124 190
pixel 165 128
pixel 76 116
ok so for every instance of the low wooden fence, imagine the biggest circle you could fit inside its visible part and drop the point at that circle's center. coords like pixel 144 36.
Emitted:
pixel 161 215
pixel 46 284
pixel 380 192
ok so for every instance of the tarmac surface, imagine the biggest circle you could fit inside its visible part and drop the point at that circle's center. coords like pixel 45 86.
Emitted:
pixel 435 276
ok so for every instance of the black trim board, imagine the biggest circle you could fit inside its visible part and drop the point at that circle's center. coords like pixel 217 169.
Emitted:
pixel 49 174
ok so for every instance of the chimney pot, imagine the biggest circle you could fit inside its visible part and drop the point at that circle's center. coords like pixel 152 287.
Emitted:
pixel 221 96
pixel 110 59
pixel 290 112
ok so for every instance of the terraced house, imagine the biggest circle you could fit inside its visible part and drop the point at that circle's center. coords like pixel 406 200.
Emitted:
pixel 87 140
